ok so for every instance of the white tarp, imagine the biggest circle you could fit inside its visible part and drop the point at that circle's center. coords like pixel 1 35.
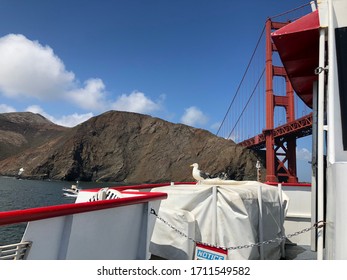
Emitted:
pixel 225 215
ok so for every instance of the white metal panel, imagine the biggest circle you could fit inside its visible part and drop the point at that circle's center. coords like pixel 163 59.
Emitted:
pixel 336 230
pixel 45 237
pixel 106 234
pixel 335 146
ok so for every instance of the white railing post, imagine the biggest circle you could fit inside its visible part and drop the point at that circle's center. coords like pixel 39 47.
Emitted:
pixel 261 232
pixel 214 215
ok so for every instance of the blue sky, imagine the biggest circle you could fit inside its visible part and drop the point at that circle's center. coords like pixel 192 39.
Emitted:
pixel 179 60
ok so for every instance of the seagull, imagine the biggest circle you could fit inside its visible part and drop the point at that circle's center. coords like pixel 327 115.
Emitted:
pixel 199 175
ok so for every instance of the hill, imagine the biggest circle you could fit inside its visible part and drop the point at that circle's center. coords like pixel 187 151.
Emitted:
pixel 23 131
pixel 117 146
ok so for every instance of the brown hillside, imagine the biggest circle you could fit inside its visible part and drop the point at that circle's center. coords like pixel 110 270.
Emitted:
pixel 22 131
pixel 132 148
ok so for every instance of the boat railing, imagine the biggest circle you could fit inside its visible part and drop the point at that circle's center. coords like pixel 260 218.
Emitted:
pixel 46 212
pixel 69 232
pixel 16 251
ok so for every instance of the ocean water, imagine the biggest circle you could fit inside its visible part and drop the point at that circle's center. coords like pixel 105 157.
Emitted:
pixel 22 194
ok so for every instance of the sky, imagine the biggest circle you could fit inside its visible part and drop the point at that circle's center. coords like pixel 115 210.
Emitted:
pixel 179 60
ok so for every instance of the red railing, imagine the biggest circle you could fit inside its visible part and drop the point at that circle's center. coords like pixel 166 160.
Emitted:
pixel 39 213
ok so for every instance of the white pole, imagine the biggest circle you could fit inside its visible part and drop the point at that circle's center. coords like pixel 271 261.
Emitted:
pixel 258 171
pixel 214 215
pixel 261 232
pixel 279 189
pixel 320 144
pixel 314 167
pixel 313 5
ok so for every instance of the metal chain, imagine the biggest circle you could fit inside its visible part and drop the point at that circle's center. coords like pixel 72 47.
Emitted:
pixel 319 224
pixel 172 227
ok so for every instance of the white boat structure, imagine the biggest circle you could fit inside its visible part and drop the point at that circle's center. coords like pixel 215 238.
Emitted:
pixel 168 221
pixel 116 228
pixel 313 52
pixel 71 192
pixel 20 172
pixel 219 219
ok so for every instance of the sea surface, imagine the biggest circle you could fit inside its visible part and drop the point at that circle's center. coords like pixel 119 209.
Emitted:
pixel 18 194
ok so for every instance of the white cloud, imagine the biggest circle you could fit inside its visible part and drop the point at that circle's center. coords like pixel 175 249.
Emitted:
pixel 28 69
pixel 235 136
pixel 37 110
pixel 194 117
pixel 68 121
pixel 6 108
pixel 91 97
pixel 215 126
pixel 136 102
pixel 303 154
pixel 73 119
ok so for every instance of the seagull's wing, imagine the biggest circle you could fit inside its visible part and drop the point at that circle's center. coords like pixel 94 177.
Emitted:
pixel 204 175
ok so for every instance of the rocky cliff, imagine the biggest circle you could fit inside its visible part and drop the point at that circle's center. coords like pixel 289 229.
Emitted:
pixel 116 146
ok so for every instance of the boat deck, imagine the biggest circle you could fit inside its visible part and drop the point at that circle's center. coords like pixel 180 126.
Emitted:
pixel 299 252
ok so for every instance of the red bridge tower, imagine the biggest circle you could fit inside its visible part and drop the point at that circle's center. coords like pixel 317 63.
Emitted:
pixel 279 150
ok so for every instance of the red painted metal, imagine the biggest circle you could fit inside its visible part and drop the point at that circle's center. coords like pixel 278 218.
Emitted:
pixel 299 128
pixel 276 148
pixel 298 47
pixel 151 186
pixel 303 185
pixel 268 132
pixel 39 213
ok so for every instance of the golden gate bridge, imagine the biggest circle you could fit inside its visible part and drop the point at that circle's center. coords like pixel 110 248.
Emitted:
pixel 265 113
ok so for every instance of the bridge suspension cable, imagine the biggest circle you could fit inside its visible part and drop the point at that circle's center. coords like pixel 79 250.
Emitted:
pixel 245 116
pixel 246 105
pixel 246 90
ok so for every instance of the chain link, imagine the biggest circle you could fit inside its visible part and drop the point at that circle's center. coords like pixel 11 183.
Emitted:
pixel 319 224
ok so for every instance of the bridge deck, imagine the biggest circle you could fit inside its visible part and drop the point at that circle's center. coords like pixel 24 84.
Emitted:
pixel 300 128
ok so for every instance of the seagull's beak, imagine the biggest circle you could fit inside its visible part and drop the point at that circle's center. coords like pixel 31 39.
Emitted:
pixel 191 165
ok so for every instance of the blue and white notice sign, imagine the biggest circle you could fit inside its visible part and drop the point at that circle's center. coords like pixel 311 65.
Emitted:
pixel 205 252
